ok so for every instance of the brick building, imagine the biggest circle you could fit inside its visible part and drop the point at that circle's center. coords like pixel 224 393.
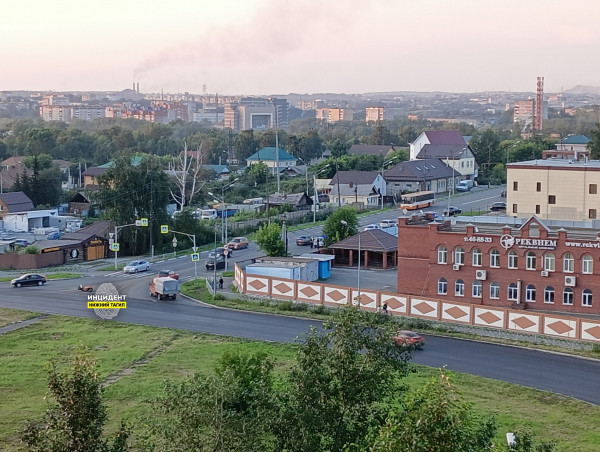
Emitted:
pixel 532 264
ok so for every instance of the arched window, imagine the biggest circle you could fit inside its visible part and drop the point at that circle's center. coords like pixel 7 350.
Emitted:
pixel 494 290
pixel 512 292
pixel 459 288
pixel 587 264
pixel 477 257
pixel 442 253
pixel 459 256
pixel 530 293
pixel 586 298
pixel 513 259
pixel 549 262
pixel 495 258
pixel 568 296
pixel 531 261
pixel 549 294
pixel 442 286
pixel 568 263
pixel 477 288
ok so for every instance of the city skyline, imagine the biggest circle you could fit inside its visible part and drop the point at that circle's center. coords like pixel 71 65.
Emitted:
pixel 301 46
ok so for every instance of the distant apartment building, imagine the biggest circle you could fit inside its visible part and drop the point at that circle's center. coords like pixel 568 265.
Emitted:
pixel 374 114
pixel 56 113
pixel 335 114
pixel 524 111
pixel 310 104
pixel 87 112
pixel 54 99
pixel 256 114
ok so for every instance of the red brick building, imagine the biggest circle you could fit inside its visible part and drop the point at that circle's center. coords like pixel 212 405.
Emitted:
pixel 530 266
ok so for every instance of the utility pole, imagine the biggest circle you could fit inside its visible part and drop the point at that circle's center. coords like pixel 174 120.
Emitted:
pixel 277 151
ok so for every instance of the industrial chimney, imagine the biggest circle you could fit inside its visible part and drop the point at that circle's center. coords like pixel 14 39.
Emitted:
pixel 138 88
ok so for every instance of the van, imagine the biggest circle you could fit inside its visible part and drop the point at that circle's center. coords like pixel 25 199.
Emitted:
pixel 464 185
pixel 209 214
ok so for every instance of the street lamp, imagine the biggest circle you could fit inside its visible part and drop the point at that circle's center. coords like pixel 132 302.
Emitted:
pixel 345 223
pixel 224 210
pixel 284 231
pixel 383 165
pixel 316 199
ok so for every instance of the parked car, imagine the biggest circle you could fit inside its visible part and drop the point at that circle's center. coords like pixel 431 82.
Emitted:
pixel 319 242
pixel 238 243
pixel 167 273
pixel 55 236
pixel 304 240
pixel 407 338
pixel 220 261
pixel 498 206
pixel 388 224
pixel 29 279
pixel 371 226
pixel 20 242
pixel 451 211
pixel 137 266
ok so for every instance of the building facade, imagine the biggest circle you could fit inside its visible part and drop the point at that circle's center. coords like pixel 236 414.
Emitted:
pixel 554 189
pixel 526 266
pixel 374 114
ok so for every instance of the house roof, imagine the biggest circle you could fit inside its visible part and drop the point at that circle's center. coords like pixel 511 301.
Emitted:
pixel 295 199
pixel 17 201
pixel 269 154
pixel 95 171
pixel 445 137
pixel 443 151
pixel 575 139
pixel 419 170
pixel 135 161
pixel 371 240
pixel 356 177
pixel 361 190
pixel 13 161
pixel 370 149
pixel 10 175
pixel 99 228
pixel 219 169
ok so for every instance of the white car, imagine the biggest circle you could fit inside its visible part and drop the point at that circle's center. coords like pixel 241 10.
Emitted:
pixel 371 226
pixel 388 224
pixel 137 266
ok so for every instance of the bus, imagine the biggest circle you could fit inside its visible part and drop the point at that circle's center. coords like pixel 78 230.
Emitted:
pixel 417 200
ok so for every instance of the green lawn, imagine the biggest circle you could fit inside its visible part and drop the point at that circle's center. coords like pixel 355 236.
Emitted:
pixel 8 316
pixel 176 354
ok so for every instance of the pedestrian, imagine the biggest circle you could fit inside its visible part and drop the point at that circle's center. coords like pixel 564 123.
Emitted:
pixel 312 242
pixel 385 308
pixel 221 282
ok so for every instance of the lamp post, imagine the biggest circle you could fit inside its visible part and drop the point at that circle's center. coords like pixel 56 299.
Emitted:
pixel 284 231
pixel 316 200
pixel 345 223
pixel 224 210
pixel 215 268
pixel 383 165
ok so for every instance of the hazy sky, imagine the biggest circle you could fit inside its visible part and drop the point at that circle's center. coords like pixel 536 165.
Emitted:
pixel 301 46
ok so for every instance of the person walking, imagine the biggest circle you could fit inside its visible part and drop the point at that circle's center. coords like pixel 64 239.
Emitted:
pixel 221 282
pixel 385 308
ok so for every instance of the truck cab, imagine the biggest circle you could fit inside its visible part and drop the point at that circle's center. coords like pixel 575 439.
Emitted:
pixel 164 287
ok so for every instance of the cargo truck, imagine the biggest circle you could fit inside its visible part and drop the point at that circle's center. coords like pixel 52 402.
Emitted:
pixel 164 287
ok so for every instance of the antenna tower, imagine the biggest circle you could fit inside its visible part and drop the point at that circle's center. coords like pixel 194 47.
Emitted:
pixel 539 102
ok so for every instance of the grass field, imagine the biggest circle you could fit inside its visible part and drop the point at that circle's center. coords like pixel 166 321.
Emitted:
pixel 137 359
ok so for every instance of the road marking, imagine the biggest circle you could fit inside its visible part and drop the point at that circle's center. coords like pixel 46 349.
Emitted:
pixel 479 200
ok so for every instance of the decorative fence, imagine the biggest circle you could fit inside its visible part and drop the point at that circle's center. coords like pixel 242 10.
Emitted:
pixel 414 306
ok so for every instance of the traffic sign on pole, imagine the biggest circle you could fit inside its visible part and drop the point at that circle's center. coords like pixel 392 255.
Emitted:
pixel 195 257
pixel 144 222
pixel 115 247
pixel 164 228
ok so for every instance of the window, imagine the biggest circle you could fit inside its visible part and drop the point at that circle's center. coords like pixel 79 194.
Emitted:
pixel 477 288
pixel 549 294
pixel 512 292
pixel 513 259
pixel 442 286
pixel 538 209
pixel 459 288
pixel 592 215
pixel 515 186
pixel 530 293
pixel 531 261
pixel 459 256
pixel 587 264
pixel 514 208
pixel 549 262
pixel 494 290
pixel 568 296
pixel 586 298
pixel 551 199
pixel 568 263
pixel 442 255
pixel 495 259
pixel 538 186
pixel 477 257
pixel 593 189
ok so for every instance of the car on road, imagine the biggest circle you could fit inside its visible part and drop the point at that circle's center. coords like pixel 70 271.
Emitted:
pixel 451 211
pixel 219 252
pixel 406 338
pixel 388 224
pixel 55 236
pixel 220 262
pixel 29 279
pixel 497 206
pixel 238 243
pixel 319 242
pixel 167 274
pixel 137 266
pixel 371 226
pixel 304 240
pixel 20 242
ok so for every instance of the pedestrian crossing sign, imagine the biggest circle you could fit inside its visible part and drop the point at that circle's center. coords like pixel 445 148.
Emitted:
pixel 195 257
pixel 115 247
pixel 144 221
pixel 164 228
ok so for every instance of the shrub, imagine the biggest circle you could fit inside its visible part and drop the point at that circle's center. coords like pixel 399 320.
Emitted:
pixel 32 249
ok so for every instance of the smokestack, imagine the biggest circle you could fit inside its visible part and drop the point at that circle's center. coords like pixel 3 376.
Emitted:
pixel 138 88
pixel 134 87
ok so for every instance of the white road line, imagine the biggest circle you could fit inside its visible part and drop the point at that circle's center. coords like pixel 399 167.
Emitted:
pixel 479 200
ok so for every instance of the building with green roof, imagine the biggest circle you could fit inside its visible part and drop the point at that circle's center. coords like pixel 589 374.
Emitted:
pixel 268 155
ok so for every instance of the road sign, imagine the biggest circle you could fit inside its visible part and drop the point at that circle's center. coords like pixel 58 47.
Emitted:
pixel 144 222
pixel 115 247
pixel 138 222
pixel 111 235
pixel 195 257
pixel 226 251
pixel 194 248
pixel 174 242
pixel 164 228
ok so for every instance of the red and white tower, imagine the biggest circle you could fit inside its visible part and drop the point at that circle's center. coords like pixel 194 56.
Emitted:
pixel 539 103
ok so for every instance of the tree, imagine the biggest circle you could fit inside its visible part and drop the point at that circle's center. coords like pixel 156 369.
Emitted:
pixel 269 240
pixel 187 176
pixel 594 144
pixel 334 230
pixel 381 135
pixel 76 423
pixel 245 145
pixel 434 418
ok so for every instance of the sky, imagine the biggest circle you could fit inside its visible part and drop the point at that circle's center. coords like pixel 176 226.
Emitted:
pixel 262 47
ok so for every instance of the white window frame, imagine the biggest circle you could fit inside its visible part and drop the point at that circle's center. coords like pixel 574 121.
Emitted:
pixel 442 286
pixel 530 261
pixel 587 264
pixel 495 259
pixel 549 294
pixel 513 259
pixel 586 298
pixel 459 288
pixel 549 262
pixel 568 263
pixel 512 293
pixel 477 289
pixel 477 257
pixel 570 296
pixel 530 293
pixel 442 255
pixel 459 255
pixel 494 290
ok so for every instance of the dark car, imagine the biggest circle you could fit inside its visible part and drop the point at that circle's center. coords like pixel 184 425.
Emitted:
pixel 167 274
pixel 406 338
pixel 210 262
pixel 29 279
pixel 21 242
pixel 497 206
pixel 304 240
pixel 220 252
pixel 451 211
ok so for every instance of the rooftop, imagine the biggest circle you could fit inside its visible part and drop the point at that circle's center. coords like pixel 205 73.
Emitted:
pixel 557 163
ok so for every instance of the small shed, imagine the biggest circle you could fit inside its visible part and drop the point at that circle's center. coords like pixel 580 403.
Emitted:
pixel 296 268
pixel 378 250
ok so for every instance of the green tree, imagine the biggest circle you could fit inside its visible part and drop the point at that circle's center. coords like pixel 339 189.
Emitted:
pixel 594 144
pixel 381 135
pixel 334 228
pixel 269 240
pixel 245 145
pixel 76 423
pixel 525 442
pixel 434 418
